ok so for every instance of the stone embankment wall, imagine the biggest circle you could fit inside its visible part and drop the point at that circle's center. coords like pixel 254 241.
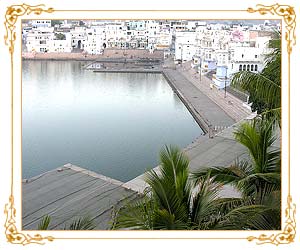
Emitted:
pixel 108 54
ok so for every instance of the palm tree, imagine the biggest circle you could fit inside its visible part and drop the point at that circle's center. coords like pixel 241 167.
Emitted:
pixel 84 223
pixel 264 88
pixel 258 180
pixel 171 202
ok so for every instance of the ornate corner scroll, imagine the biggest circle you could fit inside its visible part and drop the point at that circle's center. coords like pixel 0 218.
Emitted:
pixel 289 17
pixel 289 231
pixel 11 16
pixel 11 231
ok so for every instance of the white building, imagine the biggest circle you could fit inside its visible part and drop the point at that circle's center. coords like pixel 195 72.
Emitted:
pixel 78 35
pixel 221 78
pixel 38 40
pixel 25 31
pixel 95 40
pixel 164 40
pixel 136 25
pixel 152 30
pixel 40 23
pixel 241 59
pixel 61 45
pixel 139 39
pixel 246 58
pixel 191 25
pixel 178 26
pixel 185 46
pixel 116 34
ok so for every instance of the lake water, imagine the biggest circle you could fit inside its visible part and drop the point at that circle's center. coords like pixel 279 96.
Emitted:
pixel 112 123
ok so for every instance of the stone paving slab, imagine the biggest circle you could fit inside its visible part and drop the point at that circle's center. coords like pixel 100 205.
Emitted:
pixel 222 150
pixel 233 106
pixel 207 112
pixel 71 192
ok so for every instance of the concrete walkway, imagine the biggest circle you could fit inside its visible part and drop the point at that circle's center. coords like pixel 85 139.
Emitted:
pixel 205 111
pixel 233 106
pixel 71 192
pixel 222 150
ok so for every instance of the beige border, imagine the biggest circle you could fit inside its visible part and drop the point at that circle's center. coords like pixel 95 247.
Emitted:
pixel 13 12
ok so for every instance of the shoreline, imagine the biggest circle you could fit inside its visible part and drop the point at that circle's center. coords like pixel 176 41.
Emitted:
pixel 109 54
pixel 183 88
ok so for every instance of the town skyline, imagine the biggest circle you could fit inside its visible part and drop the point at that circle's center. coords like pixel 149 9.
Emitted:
pixel 217 48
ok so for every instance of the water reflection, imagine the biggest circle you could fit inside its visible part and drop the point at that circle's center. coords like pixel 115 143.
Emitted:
pixel 112 123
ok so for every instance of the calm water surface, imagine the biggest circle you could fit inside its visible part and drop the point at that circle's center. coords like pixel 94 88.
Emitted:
pixel 112 123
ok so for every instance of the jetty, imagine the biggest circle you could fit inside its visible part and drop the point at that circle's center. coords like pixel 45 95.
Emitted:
pixel 71 192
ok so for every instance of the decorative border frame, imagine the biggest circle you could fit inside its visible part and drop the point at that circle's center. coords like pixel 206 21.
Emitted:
pixel 15 236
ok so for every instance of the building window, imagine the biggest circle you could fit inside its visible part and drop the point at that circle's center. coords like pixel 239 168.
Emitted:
pixel 255 56
pixel 256 67
pixel 251 67
pixel 244 67
pixel 241 67
pixel 242 55
pixel 248 67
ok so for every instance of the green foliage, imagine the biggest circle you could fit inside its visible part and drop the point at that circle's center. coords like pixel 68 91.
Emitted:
pixel 60 36
pixel 55 22
pixel 84 223
pixel 258 180
pixel 176 200
pixel 172 202
pixel 44 223
pixel 264 88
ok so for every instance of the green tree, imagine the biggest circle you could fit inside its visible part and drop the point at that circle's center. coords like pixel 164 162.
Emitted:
pixel 172 202
pixel 60 36
pixel 264 87
pixel 55 22
pixel 84 223
pixel 258 180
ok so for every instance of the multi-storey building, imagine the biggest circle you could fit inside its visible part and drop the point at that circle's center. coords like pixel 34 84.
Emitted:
pixel 164 40
pixel 60 45
pixel 38 40
pixel 79 37
pixel 95 40
pixel 152 30
pixel 136 25
pixel 40 23
pixel 185 46
pixel 116 35
pixel 242 59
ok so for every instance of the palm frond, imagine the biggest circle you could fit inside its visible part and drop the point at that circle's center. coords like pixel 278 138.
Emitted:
pixel 85 223
pixel 138 215
pixel 258 137
pixel 254 217
pixel 260 85
pixel 170 187
pixel 224 175
pixel 202 205
pixel 44 223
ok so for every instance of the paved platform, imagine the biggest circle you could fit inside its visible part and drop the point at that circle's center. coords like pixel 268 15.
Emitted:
pixel 69 192
pixel 222 150
pixel 205 111
pixel 233 106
